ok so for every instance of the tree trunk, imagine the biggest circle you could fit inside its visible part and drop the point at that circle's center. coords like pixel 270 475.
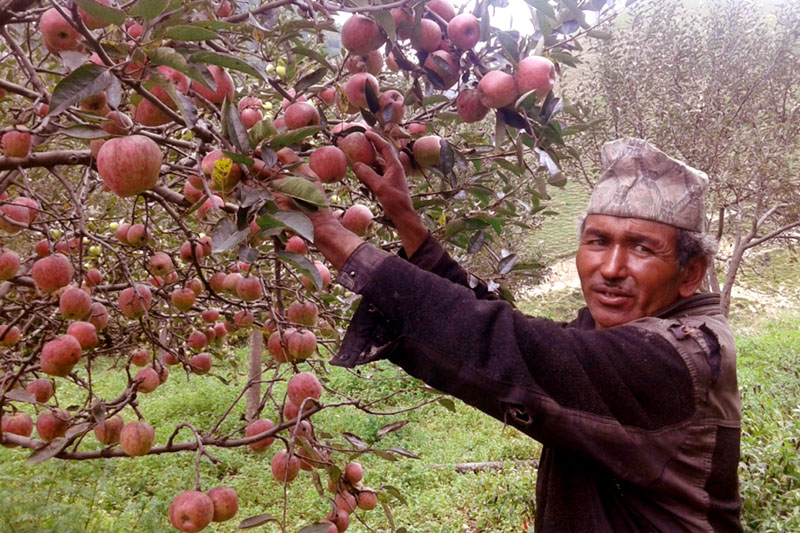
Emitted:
pixel 254 374
pixel 733 268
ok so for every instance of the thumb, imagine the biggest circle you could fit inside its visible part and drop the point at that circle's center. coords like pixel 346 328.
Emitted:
pixel 368 177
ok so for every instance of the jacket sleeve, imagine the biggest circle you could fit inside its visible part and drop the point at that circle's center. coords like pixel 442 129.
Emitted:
pixel 433 257
pixel 616 395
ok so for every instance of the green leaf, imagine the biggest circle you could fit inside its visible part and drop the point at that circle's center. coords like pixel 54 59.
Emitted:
pixel 107 14
pixel 389 489
pixel 293 137
pixel 85 81
pixel 231 62
pixel 297 222
pixel 85 132
pixel 599 34
pixel 476 241
pixel 572 5
pixel 261 130
pixel 509 45
pixel 506 264
pixel 448 404
pixel 386 22
pixel 310 79
pixel 399 450
pixel 233 128
pixel 299 189
pixel 542 6
pixel 188 32
pixel 564 57
pixel 148 9
pixel 394 426
pixel 255 521
pixel 239 158
pixel 170 58
pixel 225 236
pixel 306 267
pixel 313 54
pixel 511 167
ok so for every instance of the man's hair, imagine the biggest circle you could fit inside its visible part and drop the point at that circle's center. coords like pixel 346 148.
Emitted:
pixel 693 244
pixel 690 244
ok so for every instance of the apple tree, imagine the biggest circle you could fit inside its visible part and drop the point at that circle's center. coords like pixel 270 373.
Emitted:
pixel 158 161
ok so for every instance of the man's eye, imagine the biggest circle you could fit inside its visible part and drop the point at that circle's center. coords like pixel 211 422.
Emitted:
pixel 642 249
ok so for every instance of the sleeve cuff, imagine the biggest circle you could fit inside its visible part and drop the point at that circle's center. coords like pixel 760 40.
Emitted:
pixel 427 256
pixel 360 267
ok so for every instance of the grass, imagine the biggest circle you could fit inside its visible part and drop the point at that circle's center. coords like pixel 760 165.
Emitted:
pixel 134 494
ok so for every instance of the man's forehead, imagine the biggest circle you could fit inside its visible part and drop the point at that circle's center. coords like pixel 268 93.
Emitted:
pixel 629 226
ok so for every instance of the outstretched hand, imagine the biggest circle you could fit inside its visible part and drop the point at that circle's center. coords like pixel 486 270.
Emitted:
pixel 391 190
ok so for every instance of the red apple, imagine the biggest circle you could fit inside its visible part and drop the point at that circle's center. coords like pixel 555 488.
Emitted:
pixel 249 289
pixel 74 304
pixel 225 87
pixel 305 313
pixel 17 424
pixel 357 219
pixel 497 89
pixel 9 336
pixel 257 427
pixel 464 31
pixel 403 22
pixel 443 8
pixel 361 35
pixel 200 363
pixel 129 165
pixel 285 467
pixel 250 117
pixel 58 35
pixel 445 66
pixel 355 90
pixel 391 109
pixel 9 264
pixel 357 148
pixel 98 316
pixel 42 389
pixel 60 355
pixel 216 171
pixel 302 386
pixel 53 424
pixel 329 163
pixel 226 503
pixel 535 73
pixel 137 235
pixel 135 301
pixel 52 272
pixel 191 511
pixel 136 438
pixel 85 333
pixel 427 36
pixel 469 107
pixel 301 114
pixel 147 113
pixel 108 431
pixel 372 63
pixel 17 143
pixel 427 150
pixel 148 380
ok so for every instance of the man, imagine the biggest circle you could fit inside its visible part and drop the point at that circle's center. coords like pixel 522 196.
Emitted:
pixel 635 402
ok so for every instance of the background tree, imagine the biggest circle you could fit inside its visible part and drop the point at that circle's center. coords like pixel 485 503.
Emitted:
pixel 716 86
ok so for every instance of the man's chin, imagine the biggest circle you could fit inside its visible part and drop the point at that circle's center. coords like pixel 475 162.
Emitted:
pixel 605 318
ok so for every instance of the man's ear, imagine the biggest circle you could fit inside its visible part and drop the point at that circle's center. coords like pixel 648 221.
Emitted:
pixel 693 275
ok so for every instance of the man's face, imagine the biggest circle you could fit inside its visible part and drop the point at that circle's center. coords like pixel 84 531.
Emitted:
pixel 628 268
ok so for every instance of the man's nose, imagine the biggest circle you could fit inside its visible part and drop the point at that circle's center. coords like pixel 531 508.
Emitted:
pixel 615 263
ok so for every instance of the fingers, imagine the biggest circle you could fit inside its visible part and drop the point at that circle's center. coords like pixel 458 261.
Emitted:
pixel 385 148
pixel 368 177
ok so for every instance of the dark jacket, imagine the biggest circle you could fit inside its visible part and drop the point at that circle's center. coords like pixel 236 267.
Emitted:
pixel 640 423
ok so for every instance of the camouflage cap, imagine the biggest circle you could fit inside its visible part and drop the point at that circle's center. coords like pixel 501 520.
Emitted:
pixel 641 181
